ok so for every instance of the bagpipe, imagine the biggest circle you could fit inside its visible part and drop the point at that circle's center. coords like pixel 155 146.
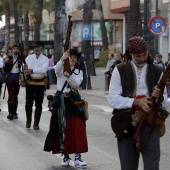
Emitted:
pixel 156 117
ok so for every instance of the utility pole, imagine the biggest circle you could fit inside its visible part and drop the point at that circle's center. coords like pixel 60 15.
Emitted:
pixel 156 37
pixel 146 20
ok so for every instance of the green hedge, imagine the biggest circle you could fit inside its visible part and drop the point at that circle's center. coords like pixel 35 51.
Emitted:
pixel 103 57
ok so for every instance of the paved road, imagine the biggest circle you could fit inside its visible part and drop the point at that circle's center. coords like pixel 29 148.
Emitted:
pixel 22 148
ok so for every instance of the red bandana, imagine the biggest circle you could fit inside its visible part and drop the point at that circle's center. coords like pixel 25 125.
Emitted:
pixel 137 45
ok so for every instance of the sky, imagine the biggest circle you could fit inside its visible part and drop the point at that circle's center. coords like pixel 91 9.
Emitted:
pixel 71 5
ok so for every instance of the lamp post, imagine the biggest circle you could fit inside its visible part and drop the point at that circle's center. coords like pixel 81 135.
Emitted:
pixel 156 37
pixel 92 72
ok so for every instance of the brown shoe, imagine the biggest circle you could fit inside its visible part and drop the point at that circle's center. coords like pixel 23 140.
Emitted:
pixel 36 127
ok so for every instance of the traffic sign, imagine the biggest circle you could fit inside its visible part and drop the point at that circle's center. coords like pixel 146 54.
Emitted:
pixel 157 25
pixel 86 32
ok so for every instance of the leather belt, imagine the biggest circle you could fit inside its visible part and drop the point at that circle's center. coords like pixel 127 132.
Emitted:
pixel 37 80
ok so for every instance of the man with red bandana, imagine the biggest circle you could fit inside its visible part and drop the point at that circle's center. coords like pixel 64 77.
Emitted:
pixel 138 76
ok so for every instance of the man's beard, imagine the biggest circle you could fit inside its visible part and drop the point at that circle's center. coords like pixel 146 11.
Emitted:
pixel 15 52
pixel 140 64
pixel 37 52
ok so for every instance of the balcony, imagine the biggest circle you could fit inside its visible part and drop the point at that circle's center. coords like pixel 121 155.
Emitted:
pixel 119 6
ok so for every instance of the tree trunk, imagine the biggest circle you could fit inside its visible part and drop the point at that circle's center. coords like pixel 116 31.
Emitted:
pixel 16 28
pixel 38 20
pixel 102 24
pixel 134 16
pixel 26 33
pixel 86 50
pixel 7 25
pixel 58 36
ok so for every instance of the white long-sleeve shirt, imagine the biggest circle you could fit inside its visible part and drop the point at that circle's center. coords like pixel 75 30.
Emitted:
pixel 39 65
pixel 115 100
pixel 74 80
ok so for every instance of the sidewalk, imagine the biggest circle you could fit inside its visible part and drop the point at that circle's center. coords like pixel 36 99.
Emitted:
pixel 98 84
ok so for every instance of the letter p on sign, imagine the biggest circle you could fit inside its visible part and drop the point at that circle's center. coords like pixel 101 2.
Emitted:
pixel 86 32
pixel 157 25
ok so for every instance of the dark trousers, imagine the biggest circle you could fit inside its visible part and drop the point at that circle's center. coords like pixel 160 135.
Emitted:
pixel 34 92
pixel 129 157
pixel 13 91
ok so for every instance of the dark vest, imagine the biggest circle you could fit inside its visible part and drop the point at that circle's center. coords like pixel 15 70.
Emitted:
pixel 128 78
pixel 8 65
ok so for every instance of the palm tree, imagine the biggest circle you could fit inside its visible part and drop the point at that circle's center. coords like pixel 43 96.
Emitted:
pixel 7 24
pixel 39 8
pixel 60 16
pixel 26 33
pixel 102 24
pixel 16 28
pixel 134 26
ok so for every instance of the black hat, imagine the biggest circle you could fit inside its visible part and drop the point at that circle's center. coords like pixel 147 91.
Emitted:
pixel 37 43
pixel 75 52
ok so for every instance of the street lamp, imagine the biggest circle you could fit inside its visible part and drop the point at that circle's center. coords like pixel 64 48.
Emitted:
pixel 92 72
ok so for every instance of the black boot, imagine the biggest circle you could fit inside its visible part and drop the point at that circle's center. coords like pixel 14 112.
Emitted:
pixel 37 117
pixel 29 117
pixel 15 115
pixel 10 110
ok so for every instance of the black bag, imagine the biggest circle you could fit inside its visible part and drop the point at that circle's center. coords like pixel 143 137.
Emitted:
pixel 53 102
pixel 121 123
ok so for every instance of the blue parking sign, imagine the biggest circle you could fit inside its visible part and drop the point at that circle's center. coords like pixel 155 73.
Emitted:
pixel 86 32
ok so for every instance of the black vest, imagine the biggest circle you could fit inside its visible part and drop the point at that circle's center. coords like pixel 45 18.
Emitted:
pixel 128 78
pixel 8 65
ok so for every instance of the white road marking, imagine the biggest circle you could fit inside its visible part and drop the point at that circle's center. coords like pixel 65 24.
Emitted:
pixel 105 108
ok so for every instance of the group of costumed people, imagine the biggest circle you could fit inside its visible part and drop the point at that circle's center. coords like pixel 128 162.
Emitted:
pixel 137 76
pixel 35 67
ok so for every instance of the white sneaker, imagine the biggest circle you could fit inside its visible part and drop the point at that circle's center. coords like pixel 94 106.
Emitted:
pixel 66 161
pixel 78 161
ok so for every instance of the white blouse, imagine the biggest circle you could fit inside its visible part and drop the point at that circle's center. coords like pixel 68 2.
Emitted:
pixel 74 80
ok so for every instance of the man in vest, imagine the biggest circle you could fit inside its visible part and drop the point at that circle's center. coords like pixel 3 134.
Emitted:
pixel 36 68
pixel 12 65
pixel 138 76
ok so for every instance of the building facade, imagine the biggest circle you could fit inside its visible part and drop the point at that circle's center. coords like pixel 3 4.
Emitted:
pixel 114 28
pixel 163 10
